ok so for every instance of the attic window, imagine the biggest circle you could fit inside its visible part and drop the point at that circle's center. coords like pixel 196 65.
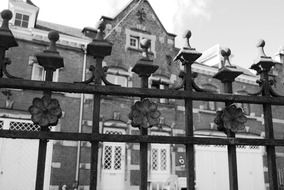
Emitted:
pixel 22 20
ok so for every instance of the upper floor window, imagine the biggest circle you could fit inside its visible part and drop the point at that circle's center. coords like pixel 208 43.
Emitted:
pixel 38 72
pixel 118 76
pixel 134 42
pixel 210 105
pixel 22 20
pixel 133 39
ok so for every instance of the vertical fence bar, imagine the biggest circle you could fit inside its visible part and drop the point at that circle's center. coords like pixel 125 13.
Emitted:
pixel 187 56
pixel 98 48
pixel 189 130
pixel 42 145
pixel 50 60
pixel 232 155
pixel 269 134
pixel 95 129
pixel 144 148
pixel 263 65
pixel 144 68
pixel 227 74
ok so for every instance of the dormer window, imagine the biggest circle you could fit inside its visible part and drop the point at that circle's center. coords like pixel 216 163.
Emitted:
pixel 22 20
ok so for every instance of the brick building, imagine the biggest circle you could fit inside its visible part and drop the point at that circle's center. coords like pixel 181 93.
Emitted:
pixel 69 161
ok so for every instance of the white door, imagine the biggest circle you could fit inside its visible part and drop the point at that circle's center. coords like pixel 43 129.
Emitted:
pixel 113 163
pixel 18 158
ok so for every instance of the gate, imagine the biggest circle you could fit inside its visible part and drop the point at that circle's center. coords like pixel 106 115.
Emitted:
pixel 144 114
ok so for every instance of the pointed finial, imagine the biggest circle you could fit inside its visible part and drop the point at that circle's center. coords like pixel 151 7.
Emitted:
pixel 53 36
pixel 187 35
pixel 226 52
pixel 145 45
pixel 100 27
pixel 260 45
pixel 6 16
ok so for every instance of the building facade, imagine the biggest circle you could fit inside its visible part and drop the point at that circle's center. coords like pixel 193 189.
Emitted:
pixel 68 162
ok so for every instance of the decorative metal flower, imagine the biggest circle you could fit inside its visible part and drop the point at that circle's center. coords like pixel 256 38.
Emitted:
pixel 231 118
pixel 45 111
pixel 144 114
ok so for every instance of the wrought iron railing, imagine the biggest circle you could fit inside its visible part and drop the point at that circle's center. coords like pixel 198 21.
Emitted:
pixel 46 111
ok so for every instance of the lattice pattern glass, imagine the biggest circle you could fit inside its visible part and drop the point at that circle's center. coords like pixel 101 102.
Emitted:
pixel 23 126
pixel 154 159
pixel 107 157
pixel 117 158
pixel 163 159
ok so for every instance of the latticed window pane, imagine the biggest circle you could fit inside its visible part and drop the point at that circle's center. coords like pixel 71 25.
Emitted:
pixel 155 159
pixel 107 157
pixel 163 159
pixel 117 157
pixel 23 126
pixel 22 20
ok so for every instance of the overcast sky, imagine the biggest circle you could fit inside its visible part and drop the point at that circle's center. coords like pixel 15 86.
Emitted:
pixel 230 23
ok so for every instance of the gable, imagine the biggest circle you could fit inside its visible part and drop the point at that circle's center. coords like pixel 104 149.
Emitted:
pixel 139 14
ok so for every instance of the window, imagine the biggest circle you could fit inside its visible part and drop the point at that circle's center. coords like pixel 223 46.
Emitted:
pixel 113 153
pixel 211 106
pixel 118 76
pixel 134 37
pixel 117 79
pixel 161 84
pixel 22 20
pixel 245 106
pixel 134 42
pixel 38 73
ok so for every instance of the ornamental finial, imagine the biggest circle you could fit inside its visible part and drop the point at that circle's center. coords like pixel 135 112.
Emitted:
pixel 187 35
pixel 100 27
pixel 53 36
pixel 6 16
pixel 226 52
pixel 260 45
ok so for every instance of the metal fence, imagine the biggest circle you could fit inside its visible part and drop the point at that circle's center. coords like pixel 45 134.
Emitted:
pixel 46 111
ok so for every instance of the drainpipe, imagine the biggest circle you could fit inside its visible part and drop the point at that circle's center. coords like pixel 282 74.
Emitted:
pixel 84 48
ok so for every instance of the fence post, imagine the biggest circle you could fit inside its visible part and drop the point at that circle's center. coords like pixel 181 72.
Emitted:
pixel 263 65
pixel 187 56
pixel 98 48
pixel 7 39
pixel 50 60
pixel 227 75
pixel 144 68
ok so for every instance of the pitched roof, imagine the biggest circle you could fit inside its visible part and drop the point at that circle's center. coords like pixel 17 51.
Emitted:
pixel 67 30
pixel 135 2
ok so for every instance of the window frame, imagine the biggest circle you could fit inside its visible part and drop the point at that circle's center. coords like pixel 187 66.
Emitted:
pixel 36 67
pixel 22 22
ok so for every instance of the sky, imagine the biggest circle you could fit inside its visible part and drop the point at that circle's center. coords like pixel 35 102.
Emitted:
pixel 236 24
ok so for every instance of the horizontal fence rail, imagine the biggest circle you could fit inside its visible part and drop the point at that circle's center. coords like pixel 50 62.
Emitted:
pixel 135 92
pixel 138 138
